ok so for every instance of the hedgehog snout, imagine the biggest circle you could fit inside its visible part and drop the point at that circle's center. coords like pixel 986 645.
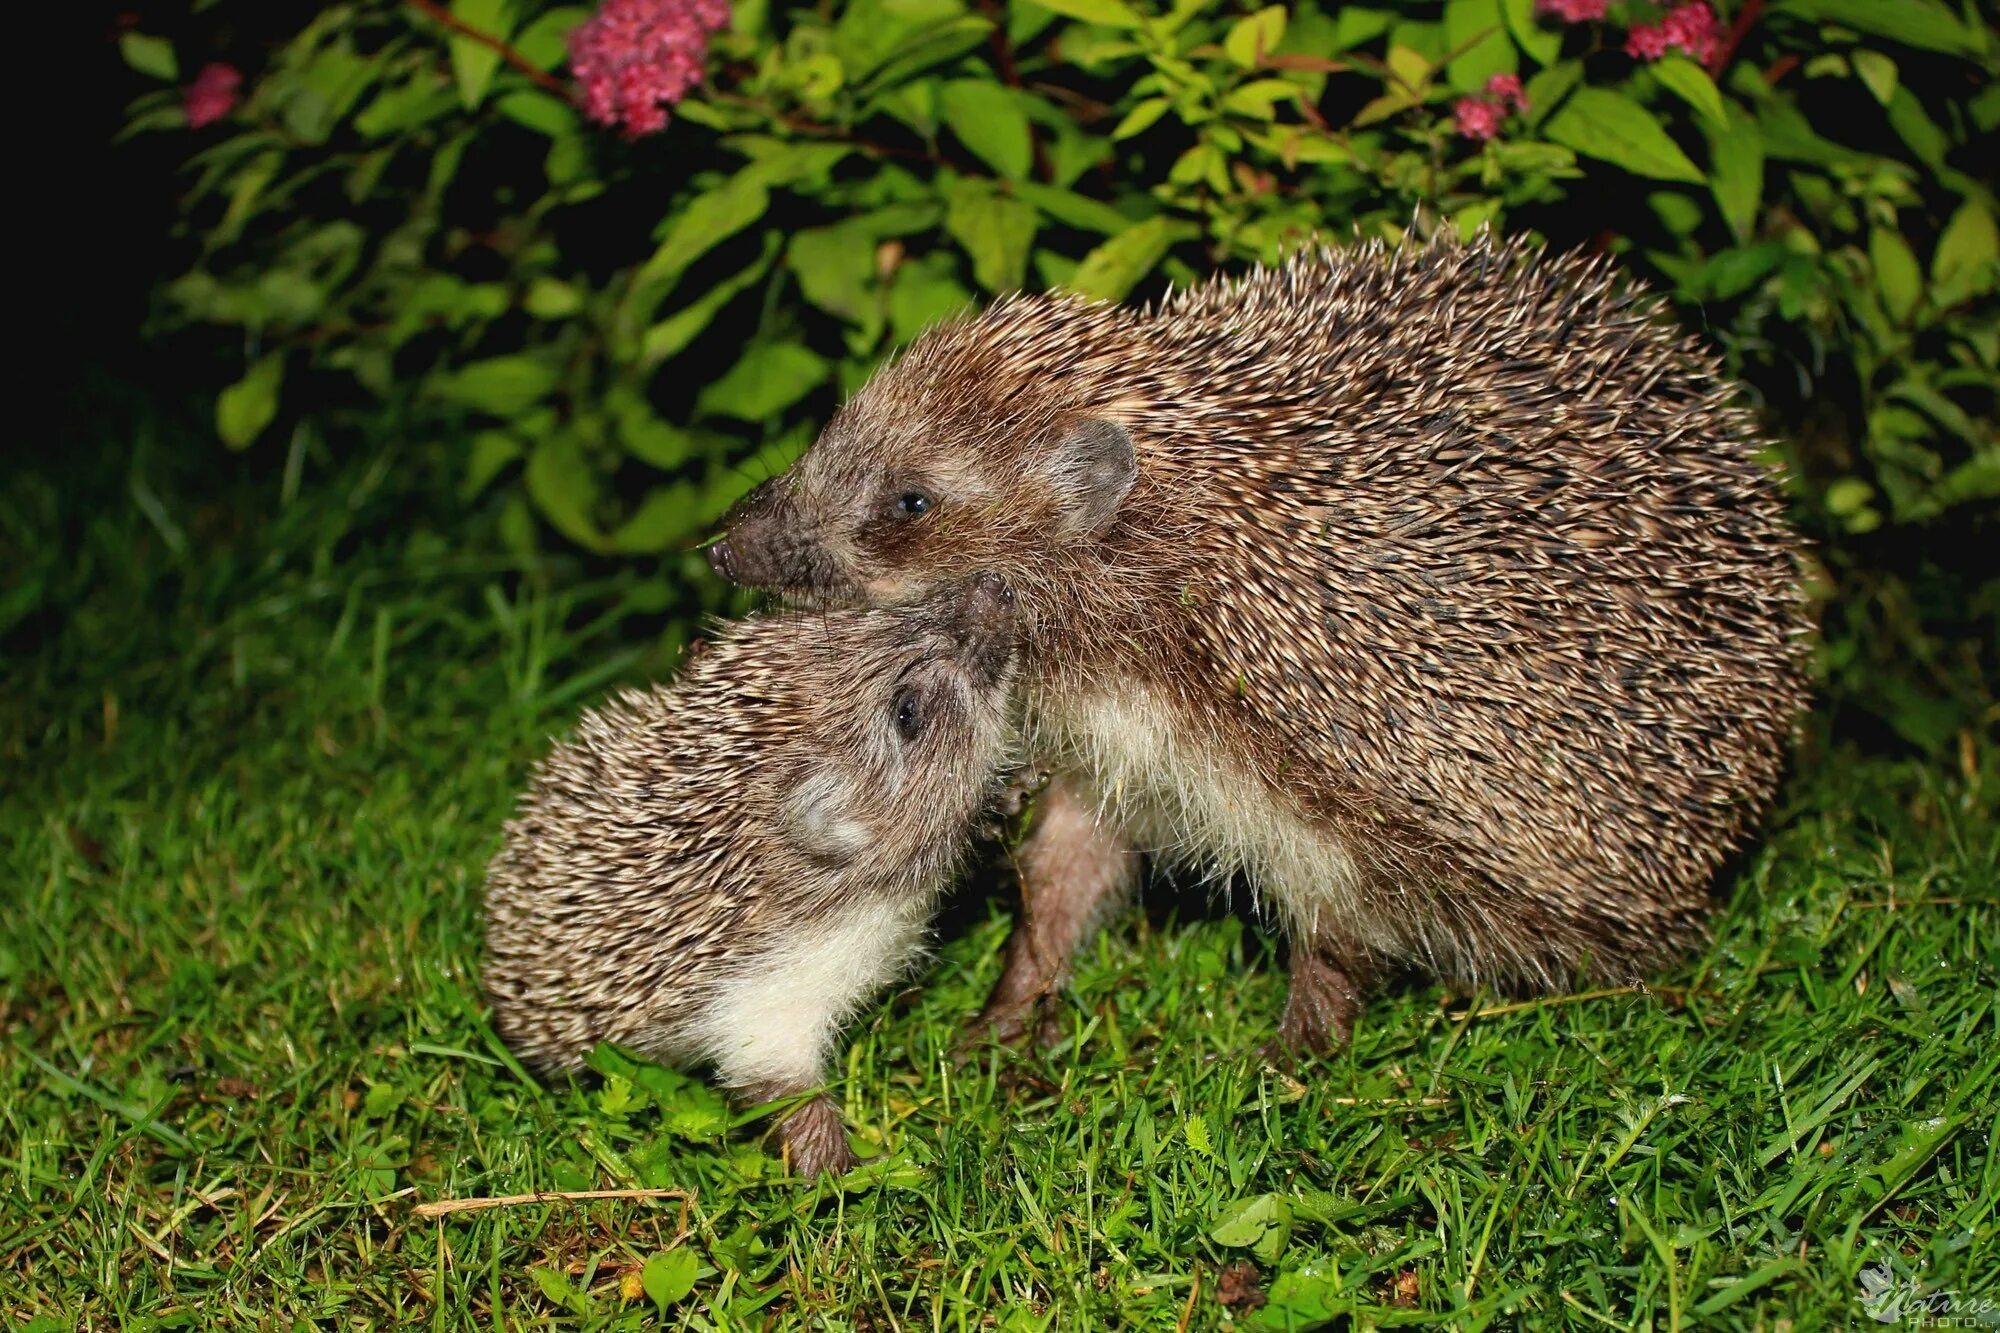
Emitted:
pixel 755 538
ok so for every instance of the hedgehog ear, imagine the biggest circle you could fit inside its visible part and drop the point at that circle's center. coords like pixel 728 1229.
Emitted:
pixel 1092 469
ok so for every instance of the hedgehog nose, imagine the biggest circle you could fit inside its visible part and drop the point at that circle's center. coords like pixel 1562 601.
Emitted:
pixel 722 559
pixel 985 630
pixel 989 602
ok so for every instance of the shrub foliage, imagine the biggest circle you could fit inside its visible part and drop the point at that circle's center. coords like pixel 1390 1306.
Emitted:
pixel 407 226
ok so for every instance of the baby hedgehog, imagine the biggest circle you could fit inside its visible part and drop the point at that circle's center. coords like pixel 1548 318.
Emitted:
pixel 722 872
pixel 1438 591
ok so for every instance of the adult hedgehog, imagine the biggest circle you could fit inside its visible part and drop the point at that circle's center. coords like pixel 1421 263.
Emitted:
pixel 1438 591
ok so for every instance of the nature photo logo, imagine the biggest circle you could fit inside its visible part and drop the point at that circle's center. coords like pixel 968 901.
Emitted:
pixel 1888 1298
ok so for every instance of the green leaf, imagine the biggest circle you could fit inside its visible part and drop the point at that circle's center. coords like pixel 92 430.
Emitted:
pixel 544 43
pixel 933 46
pixel 323 93
pixel 1909 119
pixel 708 220
pixel 473 64
pixel 1259 98
pixel 668 516
pixel 1111 270
pixel 245 408
pixel 564 487
pixel 1611 127
pixel 1262 1224
pixel 1690 82
pixel 502 385
pixel 1355 24
pixel 554 1286
pixel 552 298
pixel 1977 479
pixel 1195 1127
pixel 1412 71
pixel 1073 209
pixel 835 267
pixel 1967 254
pixel 1546 91
pixel 988 119
pixel 536 110
pixel 406 106
pixel 996 231
pixel 1897 275
pixel 1788 135
pixel 776 162
pixel 151 56
pixel 766 380
pixel 1141 117
pixel 1877 71
pixel 1921 23
pixel 669 1277
pixel 872 32
pixel 492 450
pixel 1251 39
pixel 1481 29
pixel 1920 1141
pixel 1736 172
pixel 672 335
pixel 1541 42
pixel 1312 1295
pixel 924 293
pixel 1110 13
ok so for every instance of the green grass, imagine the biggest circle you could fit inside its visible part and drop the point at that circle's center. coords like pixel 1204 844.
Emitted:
pixel 253 769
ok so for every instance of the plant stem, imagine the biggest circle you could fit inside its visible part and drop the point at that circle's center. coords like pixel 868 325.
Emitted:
pixel 1746 18
pixel 486 39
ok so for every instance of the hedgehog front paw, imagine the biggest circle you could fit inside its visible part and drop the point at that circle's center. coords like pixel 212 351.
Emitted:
pixel 814 1141
pixel 1320 1010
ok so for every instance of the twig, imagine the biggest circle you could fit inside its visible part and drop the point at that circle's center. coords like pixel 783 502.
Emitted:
pixel 1187 1311
pixel 441 1207
pixel 1492 1010
pixel 1010 74
pixel 1738 30
pixel 492 43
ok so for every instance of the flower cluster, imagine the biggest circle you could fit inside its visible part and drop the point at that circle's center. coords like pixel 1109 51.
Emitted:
pixel 212 95
pixel 1692 27
pixel 634 58
pixel 1480 117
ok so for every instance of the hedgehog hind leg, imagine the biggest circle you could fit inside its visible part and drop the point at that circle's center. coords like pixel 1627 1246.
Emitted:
pixel 1074 869
pixel 772 1027
pixel 1329 984
pixel 814 1141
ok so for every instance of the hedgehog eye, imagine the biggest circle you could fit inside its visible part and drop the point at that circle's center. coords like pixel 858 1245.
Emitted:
pixel 909 715
pixel 912 504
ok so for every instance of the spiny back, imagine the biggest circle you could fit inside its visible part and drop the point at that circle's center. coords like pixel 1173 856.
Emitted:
pixel 1493 544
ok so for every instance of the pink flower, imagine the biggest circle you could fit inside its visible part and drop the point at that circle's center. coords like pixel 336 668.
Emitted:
pixel 212 95
pixel 1506 88
pixel 1693 28
pixel 1478 118
pixel 1572 11
pixel 1647 41
pixel 634 58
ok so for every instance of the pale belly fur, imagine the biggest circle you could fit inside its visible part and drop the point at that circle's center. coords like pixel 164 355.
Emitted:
pixel 1182 804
